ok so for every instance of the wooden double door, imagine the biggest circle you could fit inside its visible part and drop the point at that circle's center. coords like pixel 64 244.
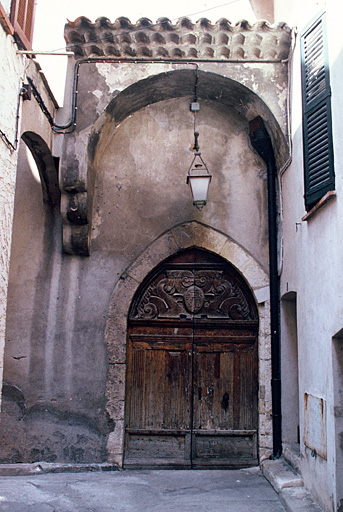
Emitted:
pixel 192 379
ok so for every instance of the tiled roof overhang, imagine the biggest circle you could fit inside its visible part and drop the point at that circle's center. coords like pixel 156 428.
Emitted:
pixel 181 41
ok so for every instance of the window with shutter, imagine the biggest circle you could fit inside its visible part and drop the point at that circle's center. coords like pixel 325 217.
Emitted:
pixel 22 19
pixel 317 126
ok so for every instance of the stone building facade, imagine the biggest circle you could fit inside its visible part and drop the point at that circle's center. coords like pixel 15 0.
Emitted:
pixel 125 142
pixel 119 286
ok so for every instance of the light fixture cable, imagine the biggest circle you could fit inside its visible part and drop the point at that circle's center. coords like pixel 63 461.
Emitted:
pixel 195 107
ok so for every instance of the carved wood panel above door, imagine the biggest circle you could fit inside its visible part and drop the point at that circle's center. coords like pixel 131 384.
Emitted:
pixel 195 289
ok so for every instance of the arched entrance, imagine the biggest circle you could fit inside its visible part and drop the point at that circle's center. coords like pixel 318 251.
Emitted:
pixel 192 374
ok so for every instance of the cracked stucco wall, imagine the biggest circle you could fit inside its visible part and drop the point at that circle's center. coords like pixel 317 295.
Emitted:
pixel 11 70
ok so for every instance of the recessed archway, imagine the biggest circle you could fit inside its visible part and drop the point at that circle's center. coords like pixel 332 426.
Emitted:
pixel 192 367
pixel 182 237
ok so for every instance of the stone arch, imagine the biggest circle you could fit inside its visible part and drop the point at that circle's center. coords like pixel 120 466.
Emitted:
pixel 79 191
pixel 191 234
pixel 46 166
pixel 180 83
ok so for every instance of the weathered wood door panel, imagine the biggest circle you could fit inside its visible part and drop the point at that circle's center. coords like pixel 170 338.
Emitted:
pixel 225 400
pixel 192 368
pixel 159 399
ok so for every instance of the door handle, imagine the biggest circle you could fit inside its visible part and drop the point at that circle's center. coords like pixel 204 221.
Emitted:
pixel 225 402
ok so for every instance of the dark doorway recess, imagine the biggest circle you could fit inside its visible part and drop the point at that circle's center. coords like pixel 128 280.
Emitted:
pixel 192 375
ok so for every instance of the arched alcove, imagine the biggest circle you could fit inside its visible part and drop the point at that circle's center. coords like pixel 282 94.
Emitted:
pixel 225 93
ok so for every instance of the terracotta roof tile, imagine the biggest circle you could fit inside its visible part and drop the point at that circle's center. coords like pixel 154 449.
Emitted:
pixel 182 40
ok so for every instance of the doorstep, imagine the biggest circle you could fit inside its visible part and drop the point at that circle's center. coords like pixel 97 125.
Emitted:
pixel 289 485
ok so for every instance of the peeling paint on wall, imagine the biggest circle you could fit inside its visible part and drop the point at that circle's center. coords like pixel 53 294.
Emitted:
pixel 315 430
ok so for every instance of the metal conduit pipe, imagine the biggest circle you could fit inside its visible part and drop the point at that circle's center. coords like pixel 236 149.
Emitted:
pixel 261 142
pixel 69 126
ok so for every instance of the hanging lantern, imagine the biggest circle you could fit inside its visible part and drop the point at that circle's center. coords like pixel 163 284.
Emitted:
pixel 198 177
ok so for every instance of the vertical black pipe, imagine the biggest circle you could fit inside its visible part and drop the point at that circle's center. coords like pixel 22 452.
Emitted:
pixel 262 143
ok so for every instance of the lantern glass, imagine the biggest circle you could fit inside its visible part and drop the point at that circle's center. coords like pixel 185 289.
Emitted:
pixel 199 180
pixel 199 187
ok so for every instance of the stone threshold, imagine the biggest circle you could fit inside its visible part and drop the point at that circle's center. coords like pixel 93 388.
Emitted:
pixel 40 468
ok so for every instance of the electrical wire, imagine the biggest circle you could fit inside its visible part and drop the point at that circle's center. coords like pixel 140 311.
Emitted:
pixel 195 99
pixel 69 127
pixel 14 146
pixel 147 27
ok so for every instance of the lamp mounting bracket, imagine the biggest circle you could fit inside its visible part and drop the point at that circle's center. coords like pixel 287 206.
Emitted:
pixel 196 144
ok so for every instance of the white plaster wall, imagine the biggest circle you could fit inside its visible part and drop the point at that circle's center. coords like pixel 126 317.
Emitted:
pixel 312 258
pixel 11 69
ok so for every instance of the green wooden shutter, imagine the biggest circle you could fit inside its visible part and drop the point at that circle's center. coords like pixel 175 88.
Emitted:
pixel 317 125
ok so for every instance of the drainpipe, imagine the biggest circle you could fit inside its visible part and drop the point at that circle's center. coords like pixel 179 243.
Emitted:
pixel 262 143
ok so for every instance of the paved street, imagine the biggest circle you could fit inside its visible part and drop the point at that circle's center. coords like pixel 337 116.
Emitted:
pixel 153 491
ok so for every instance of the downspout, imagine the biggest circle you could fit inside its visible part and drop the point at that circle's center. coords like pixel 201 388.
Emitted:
pixel 262 143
